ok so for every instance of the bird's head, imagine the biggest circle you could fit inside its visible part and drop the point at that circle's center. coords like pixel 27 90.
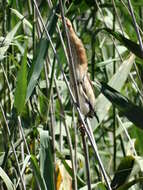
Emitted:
pixel 67 21
pixel 69 24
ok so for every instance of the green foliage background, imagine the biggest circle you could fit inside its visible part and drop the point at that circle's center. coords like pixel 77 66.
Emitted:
pixel 38 122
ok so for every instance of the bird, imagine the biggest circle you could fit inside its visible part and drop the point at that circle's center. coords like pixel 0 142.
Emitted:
pixel 85 88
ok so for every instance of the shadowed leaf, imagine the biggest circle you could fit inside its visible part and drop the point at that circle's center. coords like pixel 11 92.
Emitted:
pixel 133 112
pixel 124 170
pixel 130 184
pixel 129 44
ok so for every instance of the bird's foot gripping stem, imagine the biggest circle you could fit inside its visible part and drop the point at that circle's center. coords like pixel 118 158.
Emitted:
pixel 81 127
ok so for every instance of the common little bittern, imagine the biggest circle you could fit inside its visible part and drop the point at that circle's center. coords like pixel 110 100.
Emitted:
pixel 85 88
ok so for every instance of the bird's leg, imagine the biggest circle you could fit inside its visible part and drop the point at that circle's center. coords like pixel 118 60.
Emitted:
pixel 81 127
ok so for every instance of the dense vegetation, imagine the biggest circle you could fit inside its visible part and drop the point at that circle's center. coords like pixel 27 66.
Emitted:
pixel 41 146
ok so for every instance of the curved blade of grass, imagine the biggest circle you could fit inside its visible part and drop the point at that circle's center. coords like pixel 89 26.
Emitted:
pixel 46 160
pixel 129 44
pixel 6 180
pixel 39 178
pixel 7 41
pixel 20 16
pixel 123 172
pixel 41 53
pixel 117 81
pixel 133 112
pixel 21 86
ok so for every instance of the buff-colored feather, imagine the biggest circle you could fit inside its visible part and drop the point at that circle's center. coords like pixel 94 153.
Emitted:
pixel 86 93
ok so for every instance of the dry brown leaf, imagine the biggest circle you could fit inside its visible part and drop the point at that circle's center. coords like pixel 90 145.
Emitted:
pixel 64 180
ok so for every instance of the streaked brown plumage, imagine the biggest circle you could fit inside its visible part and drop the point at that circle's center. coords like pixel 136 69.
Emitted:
pixel 86 93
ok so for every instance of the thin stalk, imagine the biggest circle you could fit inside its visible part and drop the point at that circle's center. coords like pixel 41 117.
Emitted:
pixel 135 25
pixel 4 30
pixel 86 159
pixel 102 59
pixel 30 8
pixel 122 145
pixel 93 50
pixel 8 62
pixel 22 153
pixel 19 141
pixel 141 17
pixel 51 85
pixel 6 79
pixel 136 86
pixel 52 116
pixel 114 109
pixel 61 137
pixel 93 57
pixel 75 138
pixel 23 135
pixel 114 139
pixel 34 26
pixel 130 15
pixel 118 18
pixel 138 74
pixel 128 136
pixel 91 138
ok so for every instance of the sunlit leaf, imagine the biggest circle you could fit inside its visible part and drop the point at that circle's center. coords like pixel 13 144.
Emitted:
pixel 6 180
pixel 117 82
